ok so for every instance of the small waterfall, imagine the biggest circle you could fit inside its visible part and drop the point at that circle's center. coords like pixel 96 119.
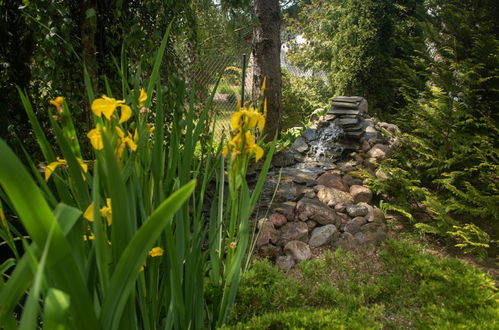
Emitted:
pixel 325 147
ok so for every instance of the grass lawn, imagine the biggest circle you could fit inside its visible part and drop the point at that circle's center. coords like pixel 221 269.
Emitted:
pixel 398 286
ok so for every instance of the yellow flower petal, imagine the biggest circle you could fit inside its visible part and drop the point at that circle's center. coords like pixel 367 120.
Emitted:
pixel 156 252
pixel 261 122
pixel 126 113
pixel 58 103
pixel 129 141
pixel 120 132
pixel 258 152
pixel 104 105
pixel 95 137
pixel 52 166
pixel 84 166
pixel 2 216
pixel 142 97
pixel 225 151
pixel 235 121
pixel 89 212
pixel 107 212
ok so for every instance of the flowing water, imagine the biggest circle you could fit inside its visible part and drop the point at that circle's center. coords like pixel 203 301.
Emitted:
pixel 326 147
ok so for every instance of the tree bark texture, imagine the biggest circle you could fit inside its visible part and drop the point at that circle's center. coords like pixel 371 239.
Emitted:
pixel 267 61
pixel 88 28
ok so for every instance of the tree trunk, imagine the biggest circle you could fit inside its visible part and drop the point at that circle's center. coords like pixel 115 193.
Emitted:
pixel 88 26
pixel 267 61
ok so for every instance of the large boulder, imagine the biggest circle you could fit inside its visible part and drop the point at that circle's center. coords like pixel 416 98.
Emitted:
pixel 293 231
pixel 298 250
pixel 353 226
pixel 286 208
pixel 322 235
pixel 314 210
pixel 357 210
pixel 345 241
pixel 360 194
pixel 379 151
pixel 267 234
pixel 285 262
pixel 332 196
pixel 332 180
pixel 300 144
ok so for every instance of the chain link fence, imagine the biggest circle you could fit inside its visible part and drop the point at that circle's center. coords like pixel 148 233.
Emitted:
pixel 204 71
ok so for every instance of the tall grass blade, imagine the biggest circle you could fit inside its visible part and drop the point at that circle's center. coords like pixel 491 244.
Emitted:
pixel 29 317
pixel 123 279
pixel 56 310
pixel 38 220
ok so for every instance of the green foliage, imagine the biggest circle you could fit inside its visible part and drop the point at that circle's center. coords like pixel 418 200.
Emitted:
pixel 300 97
pixel 401 287
pixel 471 239
pixel 357 43
pixel 313 319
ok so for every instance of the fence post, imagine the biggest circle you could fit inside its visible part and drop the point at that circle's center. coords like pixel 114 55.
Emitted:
pixel 243 80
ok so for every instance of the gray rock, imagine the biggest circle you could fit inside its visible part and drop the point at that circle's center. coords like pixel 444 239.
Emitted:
pixel 332 180
pixel 348 166
pixel 285 262
pixel 286 208
pixel 370 133
pixel 380 174
pixel 343 217
pixel 270 251
pixel 360 194
pixel 315 210
pixel 331 195
pixel 346 241
pixel 322 235
pixel 349 121
pixel 311 224
pixel 329 117
pixel 391 128
pixel 339 112
pixel 278 220
pixel 310 134
pixel 266 234
pixel 298 250
pixel 365 146
pixel 293 231
pixel 288 191
pixel 340 207
pixel 379 216
pixel 353 226
pixel 283 158
pixel 370 237
pixel 300 144
pixel 317 114
pixel 356 210
pixel 379 151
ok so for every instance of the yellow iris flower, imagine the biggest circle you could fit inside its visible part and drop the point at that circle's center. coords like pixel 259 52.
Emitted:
pixel 52 166
pixel 95 137
pixel 107 105
pixel 106 212
pixel 58 103
pixel 243 141
pixel 156 252
pixel 142 97
pixel 124 141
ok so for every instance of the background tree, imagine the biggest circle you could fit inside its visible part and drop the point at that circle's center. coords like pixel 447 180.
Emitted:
pixel 267 56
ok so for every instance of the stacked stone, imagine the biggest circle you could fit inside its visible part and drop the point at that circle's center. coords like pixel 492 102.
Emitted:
pixel 348 112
